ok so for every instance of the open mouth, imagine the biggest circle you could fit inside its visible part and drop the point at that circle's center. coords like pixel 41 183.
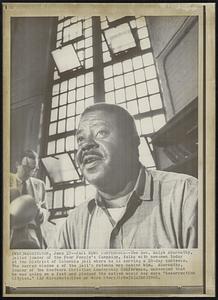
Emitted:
pixel 91 160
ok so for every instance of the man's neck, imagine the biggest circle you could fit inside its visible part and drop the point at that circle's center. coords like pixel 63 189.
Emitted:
pixel 122 191
pixel 110 196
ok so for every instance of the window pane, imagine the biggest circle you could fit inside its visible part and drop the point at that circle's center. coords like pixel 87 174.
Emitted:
pixel 88 52
pixel 120 95
pixel 89 90
pixel 140 22
pixel 145 156
pixel 80 44
pixel 55 89
pixel 80 93
pixel 110 98
pixel 132 107
pixel 141 89
pixel 54 114
pixel 72 83
pixel 109 84
pixel 133 24
pixel 142 32
pixel 79 107
pixel 108 72
pixel 52 128
pixel 88 32
pixel 130 92
pixel 61 126
pixel 88 42
pixel 62 112
pixel 143 105
pixel 60 145
pixel 127 66
pixel 77 121
pixel 117 68
pixel 88 23
pixel 128 78
pixel 146 125
pixel 81 55
pixel 150 72
pixel 137 62
pixel 58 199
pixel 123 105
pixel 63 99
pixel 89 63
pixel 60 26
pixel 156 102
pixel 159 121
pixel 139 75
pixel 118 81
pixel 148 59
pixel 70 143
pixel 63 86
pixel 80 80
pixel 55 101
pixel 71 109
pixel 70 124
pixel 138 127
pixel 89 101
pixel 51 147
pixel 145 44
pixel 71 96
pixel 106 56
pixel 153 86
pixel 89 78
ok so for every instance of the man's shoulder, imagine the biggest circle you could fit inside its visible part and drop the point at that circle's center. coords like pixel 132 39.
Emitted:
pixel 172 177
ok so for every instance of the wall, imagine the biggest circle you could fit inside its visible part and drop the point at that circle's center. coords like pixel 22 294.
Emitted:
pixel 31 40
pixel 175 45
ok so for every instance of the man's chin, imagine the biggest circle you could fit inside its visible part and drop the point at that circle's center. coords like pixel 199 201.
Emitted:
pixel 94 177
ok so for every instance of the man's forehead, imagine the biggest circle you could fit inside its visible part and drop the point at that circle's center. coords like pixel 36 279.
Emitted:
pixel 98 116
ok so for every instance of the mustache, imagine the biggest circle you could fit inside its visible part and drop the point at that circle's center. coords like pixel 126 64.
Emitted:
pixel 83 154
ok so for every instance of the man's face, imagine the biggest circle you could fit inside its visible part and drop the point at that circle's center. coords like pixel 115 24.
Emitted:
pixel 27 168
pixel 102 154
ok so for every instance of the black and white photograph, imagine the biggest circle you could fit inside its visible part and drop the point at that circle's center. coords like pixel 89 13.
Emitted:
pixel 104 135
pixel 105 144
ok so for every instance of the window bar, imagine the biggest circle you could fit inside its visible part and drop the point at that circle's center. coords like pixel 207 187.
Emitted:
pixel 98 61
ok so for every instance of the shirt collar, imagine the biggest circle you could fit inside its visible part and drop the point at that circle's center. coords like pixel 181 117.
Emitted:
pixel 143 188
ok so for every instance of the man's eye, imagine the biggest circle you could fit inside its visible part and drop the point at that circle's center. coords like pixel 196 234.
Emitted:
pixel 102 133
pixel 80 139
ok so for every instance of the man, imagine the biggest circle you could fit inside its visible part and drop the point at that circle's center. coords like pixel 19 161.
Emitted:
pixel 27 207
pixel 133 207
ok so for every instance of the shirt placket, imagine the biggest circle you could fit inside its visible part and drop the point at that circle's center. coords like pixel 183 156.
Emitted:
pixel 116 238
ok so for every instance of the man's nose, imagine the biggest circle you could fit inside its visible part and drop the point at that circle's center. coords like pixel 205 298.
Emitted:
pixel 88 145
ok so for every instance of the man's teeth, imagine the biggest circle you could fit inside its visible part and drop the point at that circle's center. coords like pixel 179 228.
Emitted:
pixel 91 159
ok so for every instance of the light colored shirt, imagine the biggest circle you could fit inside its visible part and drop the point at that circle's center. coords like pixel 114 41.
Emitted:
pixel 161 213
pixel 103 220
